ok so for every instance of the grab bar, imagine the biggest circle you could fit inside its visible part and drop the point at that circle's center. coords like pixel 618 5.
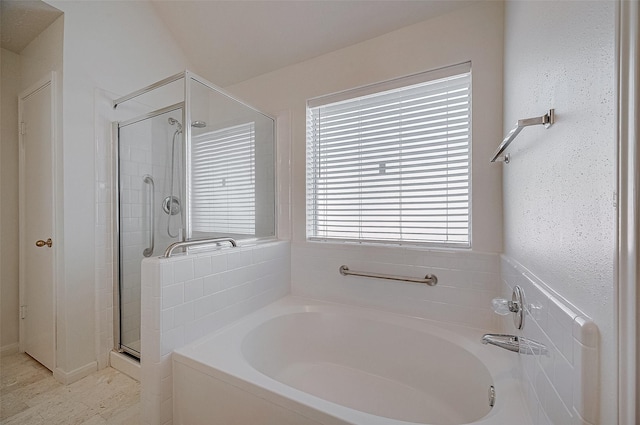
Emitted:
pixel 196 242
pixel 148 252
pixel 547 120
pixel 429 279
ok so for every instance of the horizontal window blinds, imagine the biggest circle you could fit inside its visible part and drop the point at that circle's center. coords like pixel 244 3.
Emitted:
pixel 393 165
pixel 223 181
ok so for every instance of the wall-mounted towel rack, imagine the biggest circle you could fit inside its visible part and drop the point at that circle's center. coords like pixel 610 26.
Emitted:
pixel 429 279
pixel 547 120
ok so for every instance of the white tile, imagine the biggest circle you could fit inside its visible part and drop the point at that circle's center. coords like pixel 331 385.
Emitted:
pixel 202 266
pixel 193 289
pixel 172 295
pixel 166 320
pixel 563 380
pixel 571 367
pixel 212 284
pixel 235 277
pixel 264 253
pixel 203 306
pixel 585 383
pixel 167 384
pixel 183 270
pixel 172 340
pixel 166 273
pixel 165 366
pixel 218 263
pixel 183 314
pixel 585 331
pixel 238 259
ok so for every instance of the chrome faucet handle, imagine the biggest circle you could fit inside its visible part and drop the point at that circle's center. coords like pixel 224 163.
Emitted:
pixel 503 307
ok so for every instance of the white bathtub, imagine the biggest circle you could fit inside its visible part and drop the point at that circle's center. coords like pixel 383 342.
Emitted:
pixel 301 361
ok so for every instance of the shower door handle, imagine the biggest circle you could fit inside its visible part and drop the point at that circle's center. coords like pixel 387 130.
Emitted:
pixel 148 252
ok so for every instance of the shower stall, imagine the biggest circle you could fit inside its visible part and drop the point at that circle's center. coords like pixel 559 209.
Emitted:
pixel 192 162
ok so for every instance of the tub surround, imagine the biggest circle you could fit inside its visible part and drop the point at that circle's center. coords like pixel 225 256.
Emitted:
pixel 467 280
pixel 561 387
pixel 187 297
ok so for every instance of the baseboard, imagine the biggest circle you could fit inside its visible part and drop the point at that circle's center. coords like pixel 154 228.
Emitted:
pixel 125 364
pixel 67 378
pixel 9 349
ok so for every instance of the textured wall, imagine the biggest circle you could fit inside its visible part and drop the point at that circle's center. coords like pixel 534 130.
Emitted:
pixel 559 216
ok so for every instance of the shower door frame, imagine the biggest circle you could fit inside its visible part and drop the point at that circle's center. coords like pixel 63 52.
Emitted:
pixel 188 77
pixel 115 202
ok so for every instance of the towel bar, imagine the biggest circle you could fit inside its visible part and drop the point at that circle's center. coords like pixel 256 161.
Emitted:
pixel 547 120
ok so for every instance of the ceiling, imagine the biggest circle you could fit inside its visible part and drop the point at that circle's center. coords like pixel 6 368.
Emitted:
pixel 232 41
pixel 22 20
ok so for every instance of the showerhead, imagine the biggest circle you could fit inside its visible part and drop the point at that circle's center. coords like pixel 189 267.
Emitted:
pixel 173 121
pixel 195 124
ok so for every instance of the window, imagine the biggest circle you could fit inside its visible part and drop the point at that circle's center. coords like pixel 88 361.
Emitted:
pixel 391 162
pixel 223 181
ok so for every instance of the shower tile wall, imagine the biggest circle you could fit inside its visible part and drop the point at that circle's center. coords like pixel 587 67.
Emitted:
pixel 135 162
pixel 145 148
pixel 561 386
pixel 187 297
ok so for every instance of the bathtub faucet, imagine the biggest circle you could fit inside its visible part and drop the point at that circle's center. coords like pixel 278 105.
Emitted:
pixel 515 343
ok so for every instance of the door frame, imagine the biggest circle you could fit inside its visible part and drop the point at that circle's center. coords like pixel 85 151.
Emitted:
pixel 628 202
pixel 49 80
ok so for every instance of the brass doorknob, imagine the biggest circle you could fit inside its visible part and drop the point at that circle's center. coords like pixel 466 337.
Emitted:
pixel 42 243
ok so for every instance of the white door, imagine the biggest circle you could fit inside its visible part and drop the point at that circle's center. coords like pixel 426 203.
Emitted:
pixel 36 225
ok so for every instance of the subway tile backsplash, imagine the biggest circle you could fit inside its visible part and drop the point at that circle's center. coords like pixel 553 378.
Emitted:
pixel 561 387
pixel 187 297
pixel 467 281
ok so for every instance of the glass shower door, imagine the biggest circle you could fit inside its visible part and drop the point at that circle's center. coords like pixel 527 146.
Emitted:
pixel 151 194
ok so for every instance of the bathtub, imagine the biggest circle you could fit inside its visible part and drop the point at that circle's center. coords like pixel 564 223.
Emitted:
pixel 301 361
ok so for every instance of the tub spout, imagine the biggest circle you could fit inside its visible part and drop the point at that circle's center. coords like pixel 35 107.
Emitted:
pixel 515 343
pixel 508 342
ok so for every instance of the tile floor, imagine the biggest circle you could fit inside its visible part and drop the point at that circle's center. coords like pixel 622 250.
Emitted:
pixel 30 396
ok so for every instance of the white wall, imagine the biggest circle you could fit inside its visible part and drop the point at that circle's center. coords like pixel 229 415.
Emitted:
pixel 428 45
pixel 110 49
pixel 10 89
pixel 42 55
pixel 559 214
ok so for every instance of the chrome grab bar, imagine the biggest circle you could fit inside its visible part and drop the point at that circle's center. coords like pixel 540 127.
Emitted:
pixel 429 279
pixel 148 252
pixel 196 242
